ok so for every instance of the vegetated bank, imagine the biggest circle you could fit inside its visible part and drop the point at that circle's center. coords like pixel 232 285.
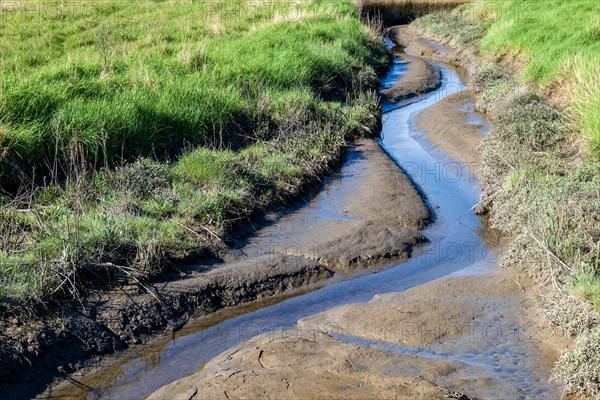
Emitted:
pixel 541 171
pixel 270 93
pixel 136 138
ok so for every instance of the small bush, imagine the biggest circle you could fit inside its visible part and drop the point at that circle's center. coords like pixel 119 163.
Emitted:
pixel 579 368
pixel 493 99
pixel 530 121
pixel 490 75
pixel 570 314
pixel 494 86
pixel 452 26
pixel 143 178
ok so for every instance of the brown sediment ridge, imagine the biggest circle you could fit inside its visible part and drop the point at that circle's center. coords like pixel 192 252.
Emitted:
pixel 420 77
pixel 446 124
pixel 378 222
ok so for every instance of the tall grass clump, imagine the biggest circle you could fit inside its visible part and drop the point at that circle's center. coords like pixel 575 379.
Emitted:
pixel 175 74
pixel 396 12
pixel 451 25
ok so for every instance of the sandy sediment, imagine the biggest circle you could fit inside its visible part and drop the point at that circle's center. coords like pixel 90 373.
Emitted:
pixel 418 78
pixel 454 127
pixel 464 334
pixel 307 366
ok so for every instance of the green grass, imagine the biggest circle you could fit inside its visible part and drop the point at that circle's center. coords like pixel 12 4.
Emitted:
pixel 217 117
pixel 587 285
pixel 557 41
pixel 142 78
pixel 396 12
pixel 145 213
pixel 560 41
pixel 452 26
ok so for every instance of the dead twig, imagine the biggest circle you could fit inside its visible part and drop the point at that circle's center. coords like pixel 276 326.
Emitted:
pixel 196 233
pixel 539 242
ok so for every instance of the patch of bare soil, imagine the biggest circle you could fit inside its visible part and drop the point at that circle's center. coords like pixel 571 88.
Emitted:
pixel 308 366
pixel 370 216
pixel 476 333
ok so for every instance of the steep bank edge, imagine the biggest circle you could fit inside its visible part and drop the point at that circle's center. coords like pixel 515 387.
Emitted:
pixel 567 316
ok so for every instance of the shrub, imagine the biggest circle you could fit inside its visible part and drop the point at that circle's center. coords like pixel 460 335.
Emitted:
pixel 143 178
pixel 453 26
pixel 579 368
pixel 528 120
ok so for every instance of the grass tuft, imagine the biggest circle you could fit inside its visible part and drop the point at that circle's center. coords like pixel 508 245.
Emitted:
pixel 451 25
pixel 560 43
pixel 586 284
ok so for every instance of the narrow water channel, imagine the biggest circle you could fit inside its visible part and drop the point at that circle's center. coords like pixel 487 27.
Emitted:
pixel 456 243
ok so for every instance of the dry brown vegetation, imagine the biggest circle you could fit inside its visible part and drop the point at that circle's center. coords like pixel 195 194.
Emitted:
pixel 394 12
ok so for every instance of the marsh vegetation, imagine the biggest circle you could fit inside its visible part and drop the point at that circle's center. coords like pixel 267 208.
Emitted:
pixel 132 133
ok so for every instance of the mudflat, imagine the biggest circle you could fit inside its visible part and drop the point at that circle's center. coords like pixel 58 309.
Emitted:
pixel 367 221
pixel 418 77
pixel 473 334
pixel 455 128
pixel 464 335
